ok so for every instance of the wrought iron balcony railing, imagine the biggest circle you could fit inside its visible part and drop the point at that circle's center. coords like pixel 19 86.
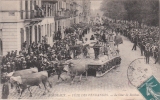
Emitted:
pixel 37 14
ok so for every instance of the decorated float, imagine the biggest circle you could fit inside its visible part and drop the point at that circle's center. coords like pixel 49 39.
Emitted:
pixel 98 65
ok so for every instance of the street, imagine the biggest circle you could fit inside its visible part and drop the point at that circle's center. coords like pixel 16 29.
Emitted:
pixel 113 45
pixel 112 85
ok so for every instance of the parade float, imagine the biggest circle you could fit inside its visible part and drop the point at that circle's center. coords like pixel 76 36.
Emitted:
pixel 98 64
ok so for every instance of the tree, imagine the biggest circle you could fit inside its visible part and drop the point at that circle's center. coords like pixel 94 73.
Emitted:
pixel 113 9
pixel 143 11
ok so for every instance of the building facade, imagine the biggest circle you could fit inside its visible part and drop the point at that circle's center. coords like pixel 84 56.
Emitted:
pixel 29 20
pixel 86 10
pixel 26 20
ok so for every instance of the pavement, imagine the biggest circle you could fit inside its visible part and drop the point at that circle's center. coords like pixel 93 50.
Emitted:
pixel 112 86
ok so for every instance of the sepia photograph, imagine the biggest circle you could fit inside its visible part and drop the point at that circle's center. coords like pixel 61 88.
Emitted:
pixel 80 49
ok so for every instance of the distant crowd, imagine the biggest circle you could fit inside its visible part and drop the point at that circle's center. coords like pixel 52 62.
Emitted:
pixel 145 37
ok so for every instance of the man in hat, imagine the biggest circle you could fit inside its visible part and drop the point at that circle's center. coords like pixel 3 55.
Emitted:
pixel 147 52
pixel 142 47
pixel 3 60
pixel 45 64
pixel 135 40
pixel 5 89
pixel 92 37
pixel 12 53
pixel 96 49
pixel 12 66
pixel 34 62
pixel 59 35
pixel 111 40
pixel 28 62
pixel 18 64
pixel 8 55
pixel 104 37
pixel 67 54
pixel 158 56
pixel 59 57
pixel 31 55
pixel 4 70
pixel 24 65
pixel 8 67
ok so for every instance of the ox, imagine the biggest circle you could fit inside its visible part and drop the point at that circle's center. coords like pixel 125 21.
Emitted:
pixel 74 70
pixel 21 73
pixel 59 69
pixel 34 79
pixel 26 71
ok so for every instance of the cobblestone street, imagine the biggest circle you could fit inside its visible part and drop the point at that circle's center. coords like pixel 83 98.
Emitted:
pixel 115 81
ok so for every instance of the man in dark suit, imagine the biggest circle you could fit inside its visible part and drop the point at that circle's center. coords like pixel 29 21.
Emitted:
pixel 104 37
pixel 158 57
pixel 142 47
pixel 147 53
pixel 5 89
pixel 96 49
pixel 135 43
pixel 59 35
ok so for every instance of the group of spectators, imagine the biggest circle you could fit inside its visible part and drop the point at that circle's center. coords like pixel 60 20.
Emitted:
pixel 41 54
pixel 145 37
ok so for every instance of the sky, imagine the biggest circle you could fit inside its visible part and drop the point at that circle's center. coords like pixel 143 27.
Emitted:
pixel 95 4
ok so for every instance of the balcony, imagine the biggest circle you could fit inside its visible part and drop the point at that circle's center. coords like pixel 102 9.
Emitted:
pixel 34 15
pixel 50 1
pixel 74 12
pixel 37 14
pixel 62 15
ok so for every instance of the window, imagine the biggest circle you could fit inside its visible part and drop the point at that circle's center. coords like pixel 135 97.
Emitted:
pixel 1 47
pixel 30 34
pixel 50 30
pixel 35 4
pixel 35 28
pixel 45 29
pixel 48 8
pixel 21 12
pixel 1 44
pixel 31 11
pixel 22 36
pixel 42 31
pixel 39 28
pixel 26 9
pixel 59 5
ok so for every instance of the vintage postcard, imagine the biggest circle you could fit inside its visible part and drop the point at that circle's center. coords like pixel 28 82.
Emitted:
pixel 80 49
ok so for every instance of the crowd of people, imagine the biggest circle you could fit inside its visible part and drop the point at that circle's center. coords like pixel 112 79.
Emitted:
pixel 44 56
pixel 107 35
pixel 41 54
pixel 145 37
pixel 142 36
